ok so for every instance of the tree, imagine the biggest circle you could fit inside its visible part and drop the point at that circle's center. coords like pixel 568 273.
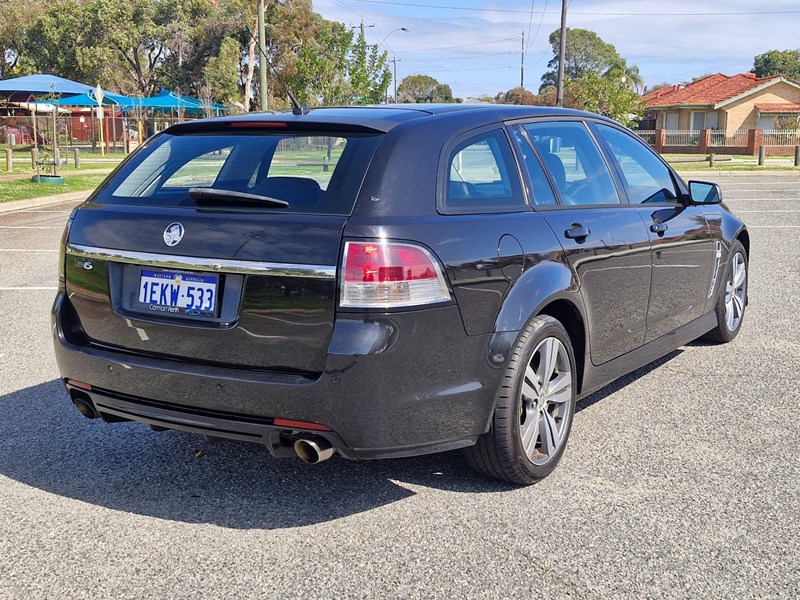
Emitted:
pixel 606 96
pixel 369 71
pixel 221 73
pixel 777 62
pixel 16 17
pixel 628 74
pixel 584 53
pixel 424 89
pixel 517 95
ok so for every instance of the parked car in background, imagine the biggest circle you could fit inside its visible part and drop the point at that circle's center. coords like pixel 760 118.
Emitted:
pixel 389 281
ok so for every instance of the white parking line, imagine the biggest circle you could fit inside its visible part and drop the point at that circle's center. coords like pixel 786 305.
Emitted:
pixel 791 210
pixel 773 226
pixel 43 211
pixel 24 250
pixel 17 289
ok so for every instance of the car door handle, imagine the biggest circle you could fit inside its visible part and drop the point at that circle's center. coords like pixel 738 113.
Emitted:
pixel 658 228
pixel 577 232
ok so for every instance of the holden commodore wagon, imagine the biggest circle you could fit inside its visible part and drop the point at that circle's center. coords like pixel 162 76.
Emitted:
pixel 389 281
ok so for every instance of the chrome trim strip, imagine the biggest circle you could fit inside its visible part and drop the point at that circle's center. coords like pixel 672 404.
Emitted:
pixel 192 263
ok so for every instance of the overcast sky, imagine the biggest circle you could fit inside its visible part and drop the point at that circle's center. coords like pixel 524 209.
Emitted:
pixel 475 46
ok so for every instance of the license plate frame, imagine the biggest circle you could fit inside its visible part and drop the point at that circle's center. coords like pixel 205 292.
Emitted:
pixel 172 292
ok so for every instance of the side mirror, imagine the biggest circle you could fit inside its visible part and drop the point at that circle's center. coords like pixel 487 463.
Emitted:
pixel 702 192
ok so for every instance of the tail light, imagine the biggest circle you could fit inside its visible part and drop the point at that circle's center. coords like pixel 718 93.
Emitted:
pixel 390 275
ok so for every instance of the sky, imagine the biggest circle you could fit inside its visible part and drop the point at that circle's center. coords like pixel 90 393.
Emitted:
pixel 476 46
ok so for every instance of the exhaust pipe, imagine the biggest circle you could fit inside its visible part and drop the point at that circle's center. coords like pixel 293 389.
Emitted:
pixel 85 407
pixel 313 450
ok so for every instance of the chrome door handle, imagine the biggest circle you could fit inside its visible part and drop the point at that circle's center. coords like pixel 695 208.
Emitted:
pixel 577 232
pixel 658 228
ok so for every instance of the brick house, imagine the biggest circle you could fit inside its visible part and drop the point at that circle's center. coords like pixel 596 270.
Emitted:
pixel 722 102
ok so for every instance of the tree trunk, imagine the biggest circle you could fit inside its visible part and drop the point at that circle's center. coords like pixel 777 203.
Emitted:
pixel 251 69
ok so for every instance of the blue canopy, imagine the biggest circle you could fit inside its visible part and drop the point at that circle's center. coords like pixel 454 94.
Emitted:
pixel 89 99
pixel 170 100
pixel 42 84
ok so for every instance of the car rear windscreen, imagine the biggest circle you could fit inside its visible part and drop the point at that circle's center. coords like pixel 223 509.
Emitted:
pixel 285 172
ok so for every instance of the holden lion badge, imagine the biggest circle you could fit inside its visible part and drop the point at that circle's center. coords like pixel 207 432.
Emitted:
pixel 173 234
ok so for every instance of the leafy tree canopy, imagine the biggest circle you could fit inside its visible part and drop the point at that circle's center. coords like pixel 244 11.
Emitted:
pixel 424 89
pixel 777 62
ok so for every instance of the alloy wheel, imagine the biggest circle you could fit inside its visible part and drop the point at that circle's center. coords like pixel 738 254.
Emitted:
pixel 735 292
pixel 546 395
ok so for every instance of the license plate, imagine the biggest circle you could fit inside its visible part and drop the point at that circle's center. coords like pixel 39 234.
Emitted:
pixel 179 292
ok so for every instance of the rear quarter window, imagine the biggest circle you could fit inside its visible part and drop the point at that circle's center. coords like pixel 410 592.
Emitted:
pixel 481 176
pixel 316 174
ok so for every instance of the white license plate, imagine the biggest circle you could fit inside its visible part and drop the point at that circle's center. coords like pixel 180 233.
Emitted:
pixel 187 293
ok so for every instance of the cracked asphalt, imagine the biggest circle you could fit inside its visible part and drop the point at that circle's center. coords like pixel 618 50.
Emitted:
pixel 681 480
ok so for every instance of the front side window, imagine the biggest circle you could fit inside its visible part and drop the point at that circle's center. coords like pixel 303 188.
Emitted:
pixel 285 172
pixel 647 179
pixel 574 161
pixel 482 177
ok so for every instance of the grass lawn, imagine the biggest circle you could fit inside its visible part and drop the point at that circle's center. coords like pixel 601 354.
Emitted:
pixel 22 189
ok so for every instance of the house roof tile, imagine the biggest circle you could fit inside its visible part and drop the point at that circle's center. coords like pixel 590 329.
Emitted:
pixel 709 90
pixel 786 107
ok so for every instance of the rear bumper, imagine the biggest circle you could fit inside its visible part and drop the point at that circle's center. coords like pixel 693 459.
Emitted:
pixel 394 385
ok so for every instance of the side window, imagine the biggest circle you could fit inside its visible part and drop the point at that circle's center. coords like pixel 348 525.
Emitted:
pixel 482 176
pixel 574 162
pixel 542 192
pixel 647 179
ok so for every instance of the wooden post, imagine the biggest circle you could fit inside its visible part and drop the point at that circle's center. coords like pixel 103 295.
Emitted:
pixel 797 156
pixel 9 160
pixel 77 152
pixel 34 158
pixel 762 152
pixel 711 160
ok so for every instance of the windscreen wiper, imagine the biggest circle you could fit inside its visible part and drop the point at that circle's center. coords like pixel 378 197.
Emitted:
pixel 232 196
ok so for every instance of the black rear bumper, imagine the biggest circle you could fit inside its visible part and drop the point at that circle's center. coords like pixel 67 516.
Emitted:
pixel 394 385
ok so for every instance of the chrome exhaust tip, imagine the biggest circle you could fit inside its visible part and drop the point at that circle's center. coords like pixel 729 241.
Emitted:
pixel 85 407
pixel 313 450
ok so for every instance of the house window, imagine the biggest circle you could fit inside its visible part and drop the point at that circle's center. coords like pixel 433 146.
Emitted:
pixel 698 120
pixel 671 120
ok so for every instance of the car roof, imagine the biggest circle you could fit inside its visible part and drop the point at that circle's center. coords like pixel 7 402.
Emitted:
pixel 380 118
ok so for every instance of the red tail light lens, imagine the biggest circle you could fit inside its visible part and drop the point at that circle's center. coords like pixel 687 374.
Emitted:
pixel 389 274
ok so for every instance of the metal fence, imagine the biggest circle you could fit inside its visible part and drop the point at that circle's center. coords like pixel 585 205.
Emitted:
pixel 648 136
pixel 682 137
pixel 781 137
pixel 737 139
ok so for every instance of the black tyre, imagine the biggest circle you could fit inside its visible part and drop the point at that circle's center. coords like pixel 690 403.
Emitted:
pixel 535 407
pixel 732 297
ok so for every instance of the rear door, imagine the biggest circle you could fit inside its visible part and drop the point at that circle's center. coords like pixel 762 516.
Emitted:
pixel 683 248
pixel 219 247
pixel 605 241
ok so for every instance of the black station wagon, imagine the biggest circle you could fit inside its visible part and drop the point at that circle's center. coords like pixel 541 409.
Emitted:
pixel 389 281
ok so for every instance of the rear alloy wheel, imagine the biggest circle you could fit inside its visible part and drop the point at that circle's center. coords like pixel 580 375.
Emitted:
pixel 534 410
pixel 732 299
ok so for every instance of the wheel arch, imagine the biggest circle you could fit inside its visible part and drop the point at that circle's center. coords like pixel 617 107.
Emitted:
pixel 569 315
pixel 744 237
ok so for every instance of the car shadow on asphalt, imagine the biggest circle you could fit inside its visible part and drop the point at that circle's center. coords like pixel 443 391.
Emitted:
pixel 46 444
pixel 624 381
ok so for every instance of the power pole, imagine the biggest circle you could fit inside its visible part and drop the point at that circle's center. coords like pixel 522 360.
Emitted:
pixel 561 51
pixel 394 64
pixel 262 63
pixel 522 63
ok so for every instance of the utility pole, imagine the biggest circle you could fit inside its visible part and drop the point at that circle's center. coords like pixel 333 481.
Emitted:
pixel 561 51
pixel 394 64
pixel 262 63
pixel 522 63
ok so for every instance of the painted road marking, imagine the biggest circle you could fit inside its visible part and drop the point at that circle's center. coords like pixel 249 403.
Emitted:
pixel 17 289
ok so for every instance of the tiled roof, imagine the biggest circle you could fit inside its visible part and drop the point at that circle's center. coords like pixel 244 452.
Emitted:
pixel 709 90
pixel 786 107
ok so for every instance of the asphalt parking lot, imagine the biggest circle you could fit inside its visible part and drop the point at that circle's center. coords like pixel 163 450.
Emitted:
pixel 681 480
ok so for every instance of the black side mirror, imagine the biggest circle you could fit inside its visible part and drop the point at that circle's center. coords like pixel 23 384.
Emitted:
pixel 702 192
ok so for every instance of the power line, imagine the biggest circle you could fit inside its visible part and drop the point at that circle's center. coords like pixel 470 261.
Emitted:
pixel 448 59
pixel 511 39
pixel 590 13
pixel 538 28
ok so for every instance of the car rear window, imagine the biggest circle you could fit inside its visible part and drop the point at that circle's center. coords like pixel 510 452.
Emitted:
pixel 316 174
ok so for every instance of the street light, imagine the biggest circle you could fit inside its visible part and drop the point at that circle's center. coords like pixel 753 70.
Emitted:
pixel 394 61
